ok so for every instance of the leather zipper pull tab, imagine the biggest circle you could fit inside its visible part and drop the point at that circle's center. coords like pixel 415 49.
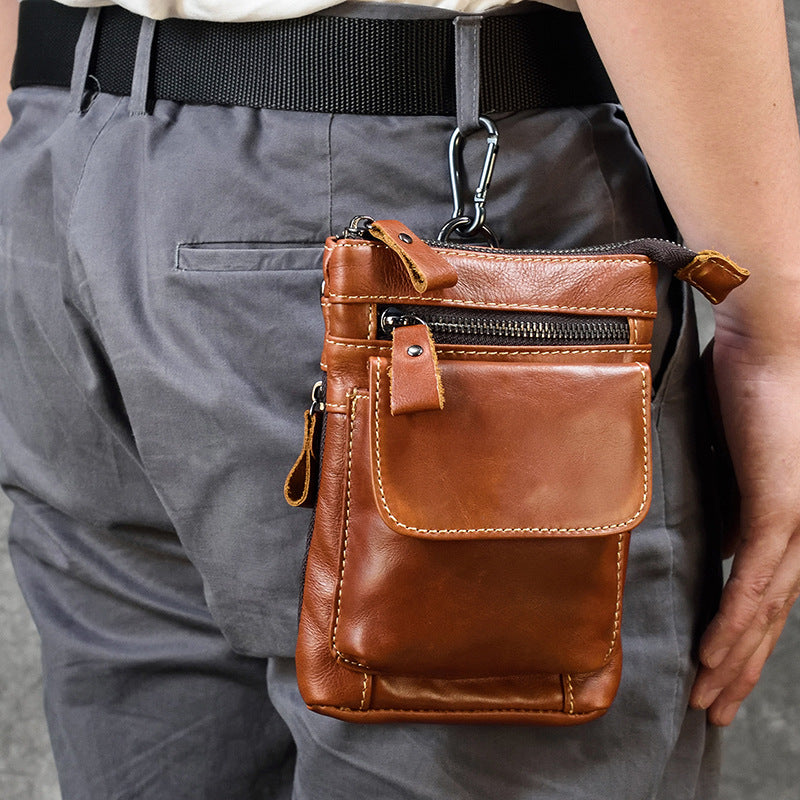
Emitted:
pixel 426 268
pixel 714 275
pixel 300 487
pixel 415 382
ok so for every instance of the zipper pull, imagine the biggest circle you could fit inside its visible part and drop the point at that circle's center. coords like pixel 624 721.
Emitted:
pixel 713 274
pixel 392 318
pixel 427 269
pixel 415 381
pixel 300 487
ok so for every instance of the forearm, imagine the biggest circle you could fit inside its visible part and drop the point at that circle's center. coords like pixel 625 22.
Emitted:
pixel 8 42
pixel 707 88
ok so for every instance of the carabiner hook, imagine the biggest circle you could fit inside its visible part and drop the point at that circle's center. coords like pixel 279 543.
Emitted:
pixel 477 225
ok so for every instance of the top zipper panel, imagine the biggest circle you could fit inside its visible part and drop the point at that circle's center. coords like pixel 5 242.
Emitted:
pixel 668 254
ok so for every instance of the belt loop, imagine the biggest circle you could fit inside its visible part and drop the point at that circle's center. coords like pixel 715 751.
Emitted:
pixel 83 58
pixel 137 104
pixel 468 72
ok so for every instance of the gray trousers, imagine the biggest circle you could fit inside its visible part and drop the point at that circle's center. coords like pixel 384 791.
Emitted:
pixel 159 335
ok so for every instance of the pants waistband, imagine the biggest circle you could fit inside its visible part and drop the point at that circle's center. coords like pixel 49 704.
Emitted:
pixel 543 58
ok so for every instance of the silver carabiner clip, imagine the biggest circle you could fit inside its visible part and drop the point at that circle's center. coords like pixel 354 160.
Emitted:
pixel 458 223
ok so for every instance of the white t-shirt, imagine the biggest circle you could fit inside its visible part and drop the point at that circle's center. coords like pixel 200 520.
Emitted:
pixel 251 10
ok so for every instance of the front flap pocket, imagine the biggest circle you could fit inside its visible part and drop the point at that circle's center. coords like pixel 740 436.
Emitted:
pixel 489 538
pixel 518 450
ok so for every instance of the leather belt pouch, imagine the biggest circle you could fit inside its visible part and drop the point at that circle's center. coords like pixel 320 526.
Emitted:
pixel 485 457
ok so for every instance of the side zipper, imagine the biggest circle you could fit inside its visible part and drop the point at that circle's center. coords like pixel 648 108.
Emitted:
pixel 300 486
pixel 317 413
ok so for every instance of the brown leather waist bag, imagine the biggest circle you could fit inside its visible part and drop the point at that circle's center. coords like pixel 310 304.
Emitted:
pixel 485 437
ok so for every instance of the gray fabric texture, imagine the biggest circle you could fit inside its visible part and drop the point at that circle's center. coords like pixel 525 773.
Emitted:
pixel 159 335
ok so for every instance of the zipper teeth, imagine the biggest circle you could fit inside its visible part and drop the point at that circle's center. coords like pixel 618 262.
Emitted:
pixel 364 235
pixel 530 329
pixel 603 248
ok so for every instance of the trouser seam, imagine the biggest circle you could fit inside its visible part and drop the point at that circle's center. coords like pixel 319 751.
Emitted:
pixel 82 174
pixel 74 265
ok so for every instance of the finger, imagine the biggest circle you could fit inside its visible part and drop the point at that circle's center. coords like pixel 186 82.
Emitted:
pixel 708 691
pixel 754 567
pixel 723 710
pixel 767 625
pixel 775 603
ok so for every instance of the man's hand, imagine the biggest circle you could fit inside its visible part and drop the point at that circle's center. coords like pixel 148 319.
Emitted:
pixel 759 390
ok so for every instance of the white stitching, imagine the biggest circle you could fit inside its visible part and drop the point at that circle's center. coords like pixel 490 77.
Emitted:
pixel 618 607
pixel 460 711
pixel 570 531
pixel 705 292
pixel 554 258
pixel 689 276
pixel 487 304
pixel 530 352
pixel 351 418
pixel 363 693
pixel 570 695
pixel 378 347
pixel 724 267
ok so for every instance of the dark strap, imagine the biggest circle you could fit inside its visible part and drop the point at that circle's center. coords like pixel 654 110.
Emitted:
pixel 540 59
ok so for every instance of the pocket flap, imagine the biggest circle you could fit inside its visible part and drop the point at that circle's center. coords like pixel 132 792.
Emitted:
pixel 519 450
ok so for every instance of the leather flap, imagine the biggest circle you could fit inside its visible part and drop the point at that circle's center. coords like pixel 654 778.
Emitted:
pixel 415 381
pixel 519 450
pixel 426 268
pixel 714 275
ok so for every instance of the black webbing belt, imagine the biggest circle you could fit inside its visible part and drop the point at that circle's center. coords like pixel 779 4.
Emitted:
pixel 540 59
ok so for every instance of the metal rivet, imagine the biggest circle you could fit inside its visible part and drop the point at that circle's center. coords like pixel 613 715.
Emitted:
pixel 404 237
pixel 415 350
